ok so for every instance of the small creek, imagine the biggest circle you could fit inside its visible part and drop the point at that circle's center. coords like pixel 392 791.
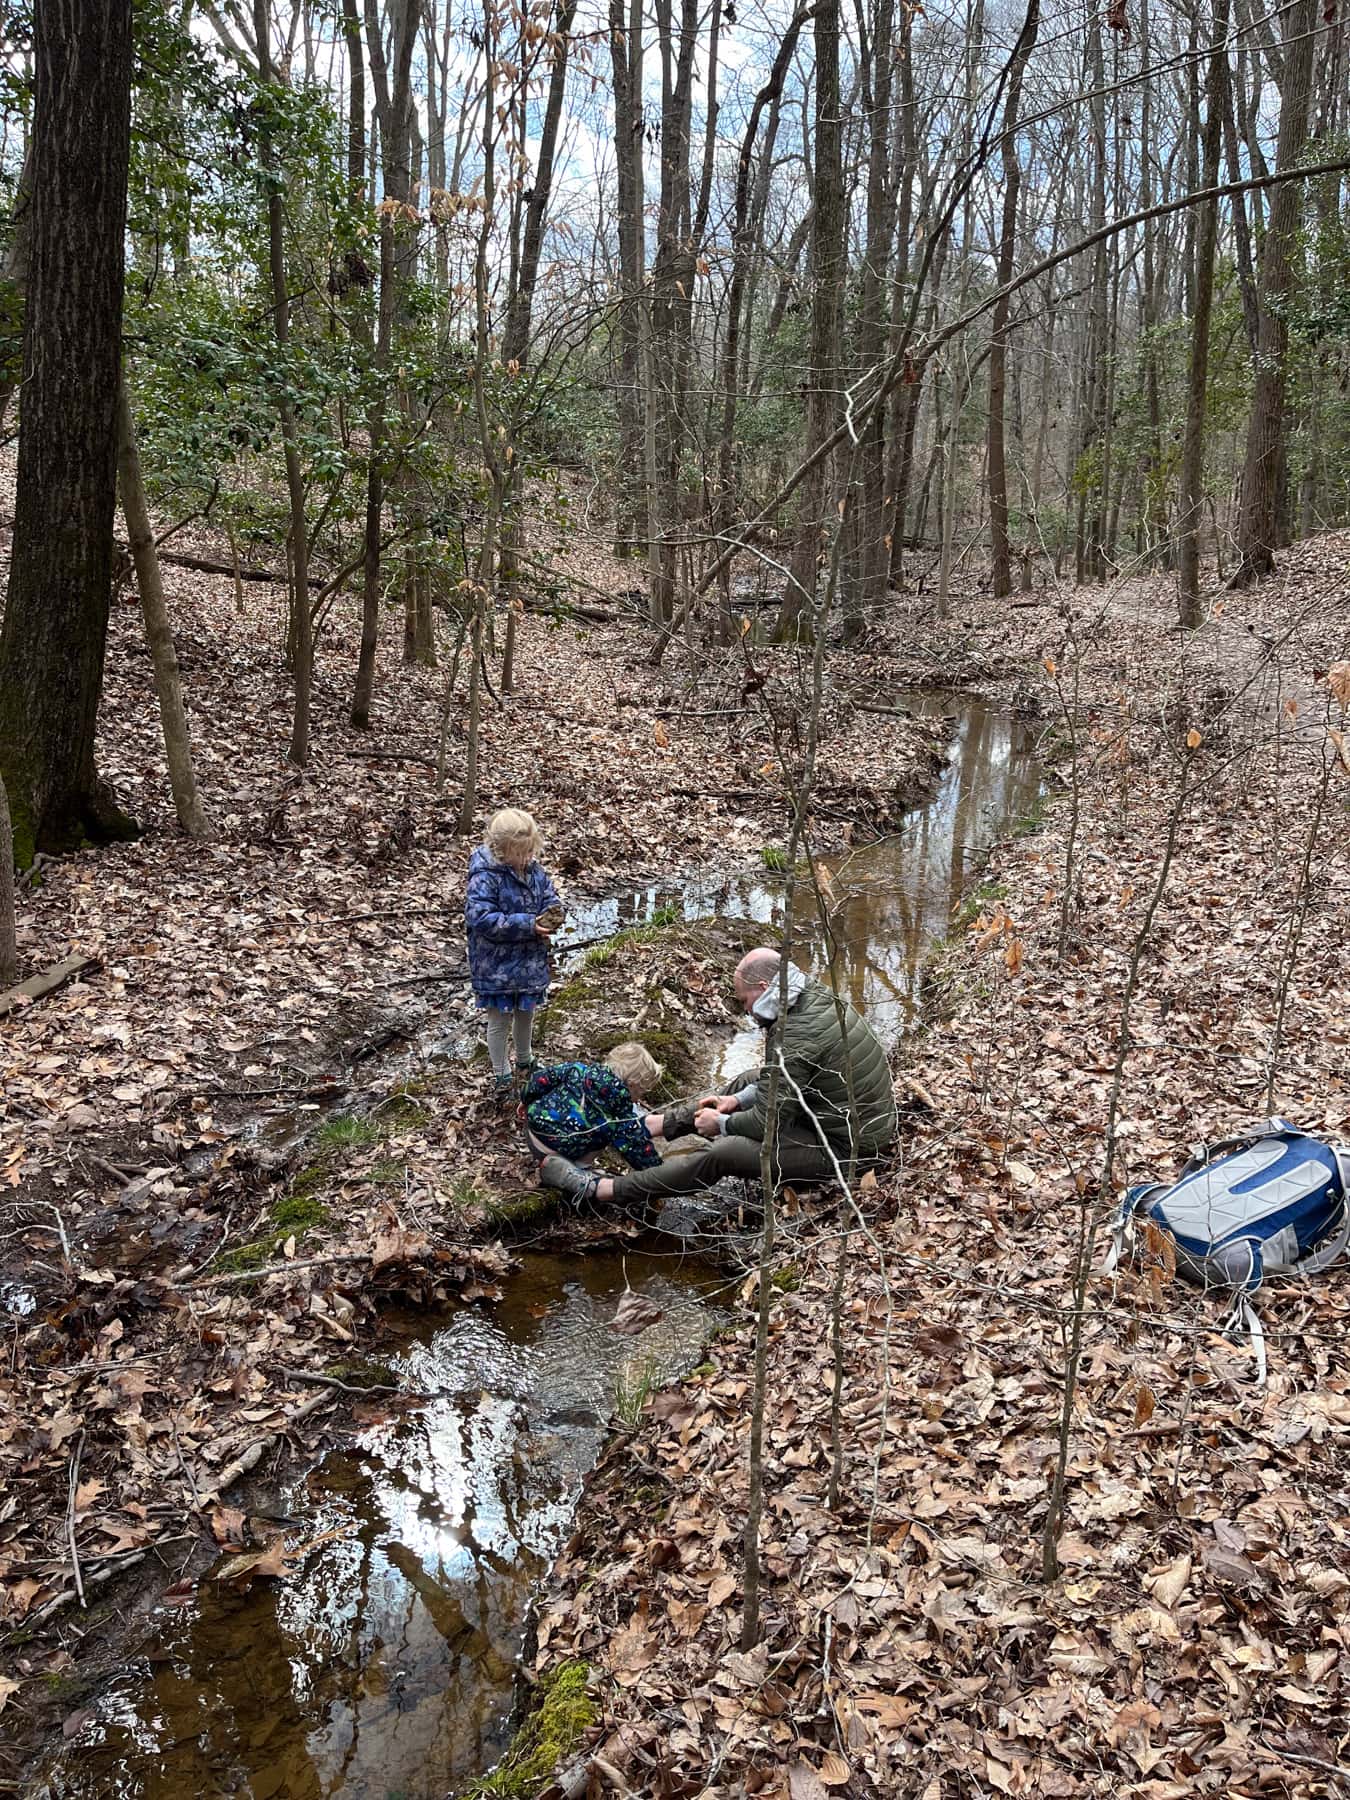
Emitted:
pixel 387 1670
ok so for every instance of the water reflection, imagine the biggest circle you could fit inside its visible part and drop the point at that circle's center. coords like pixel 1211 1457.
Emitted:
pixel 887 902
pixel 388 1669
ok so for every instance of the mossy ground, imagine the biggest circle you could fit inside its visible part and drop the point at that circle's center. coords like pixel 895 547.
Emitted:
pixel 293 1215
pixel 551 1732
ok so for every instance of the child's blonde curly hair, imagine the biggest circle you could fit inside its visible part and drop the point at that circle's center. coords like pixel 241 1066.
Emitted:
pixel 513 837
pixel 635 1066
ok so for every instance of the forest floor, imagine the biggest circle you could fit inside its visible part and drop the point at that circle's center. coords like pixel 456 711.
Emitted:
pixel 1195 1639
pixel 234 1122
pixel 257 1120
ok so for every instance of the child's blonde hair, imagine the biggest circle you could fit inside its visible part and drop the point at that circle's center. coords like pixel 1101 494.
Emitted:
pixel 509 833
pixel 635 1066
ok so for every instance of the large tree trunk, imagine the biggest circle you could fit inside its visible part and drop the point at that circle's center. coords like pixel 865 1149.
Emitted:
pixel 742 243
pixel 56 615
pixel 1193 451
pixel 1263 470
pixel 158 631
pixel 1091 533
pixel 9 945
pixel 14 268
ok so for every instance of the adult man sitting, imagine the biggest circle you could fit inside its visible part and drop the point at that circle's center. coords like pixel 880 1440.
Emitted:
pixel 817 1128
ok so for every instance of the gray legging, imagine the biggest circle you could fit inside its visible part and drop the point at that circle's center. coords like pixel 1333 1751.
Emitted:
pixel 521 1026
pixel 798 1156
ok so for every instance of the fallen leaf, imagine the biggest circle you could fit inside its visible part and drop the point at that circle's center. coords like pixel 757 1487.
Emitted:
pixel 805 1784
pixel 1170 1583
pixel 227 1525
pixel 634 1313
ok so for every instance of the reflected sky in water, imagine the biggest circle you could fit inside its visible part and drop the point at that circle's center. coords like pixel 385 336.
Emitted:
pixel 888 901
pixel 388 1669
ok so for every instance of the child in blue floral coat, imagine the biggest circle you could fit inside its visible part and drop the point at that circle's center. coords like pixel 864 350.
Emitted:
pixel 511 909
pixel 577 1109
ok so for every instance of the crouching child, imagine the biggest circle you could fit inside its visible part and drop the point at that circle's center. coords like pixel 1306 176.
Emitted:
pixel 578 1109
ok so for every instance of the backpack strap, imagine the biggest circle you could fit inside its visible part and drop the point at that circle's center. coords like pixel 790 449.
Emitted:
pixel 1203 1153
pixel 1244 1317
pixel 1123 1220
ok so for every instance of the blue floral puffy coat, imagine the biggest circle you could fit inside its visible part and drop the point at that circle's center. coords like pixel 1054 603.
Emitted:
pixel 506 953
pixel 578 1108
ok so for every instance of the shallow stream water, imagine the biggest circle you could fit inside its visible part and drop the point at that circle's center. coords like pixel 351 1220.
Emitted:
pixel 385 1668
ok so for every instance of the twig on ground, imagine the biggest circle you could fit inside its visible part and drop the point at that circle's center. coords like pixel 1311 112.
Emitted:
pixel 70 1517
pixel 331 1381
pixel 252 1454
pixel 281 1268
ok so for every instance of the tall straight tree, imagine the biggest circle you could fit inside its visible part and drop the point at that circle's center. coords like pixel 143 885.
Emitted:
pixel 1193 452
pixel 1263 469
pixel 827 305
pixel 301 633
pixel 56 614
pixel 392 103
pixel 998 347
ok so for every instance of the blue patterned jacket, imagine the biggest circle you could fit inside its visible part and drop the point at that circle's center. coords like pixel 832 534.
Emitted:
pixel 578 1108
pixel 506 954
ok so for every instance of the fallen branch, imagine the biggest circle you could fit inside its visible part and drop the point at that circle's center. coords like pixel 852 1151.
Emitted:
pixel 307 1090
pixel 395 756
pixel 70 1518
pixel 394 912
pixel 344 1387
pixel 207 565
pixel 38 986
pixel 252 1454
pixel 281 1268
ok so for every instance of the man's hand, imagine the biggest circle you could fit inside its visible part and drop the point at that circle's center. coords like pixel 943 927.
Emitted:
pixel 542 930
pixel 722 1103
pixel 708 1122
pixel 656 1124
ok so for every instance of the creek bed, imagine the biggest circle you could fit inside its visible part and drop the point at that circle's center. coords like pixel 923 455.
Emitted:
pixel 387 1669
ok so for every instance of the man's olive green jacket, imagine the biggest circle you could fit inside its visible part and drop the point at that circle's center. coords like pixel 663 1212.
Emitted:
pixel 815 1057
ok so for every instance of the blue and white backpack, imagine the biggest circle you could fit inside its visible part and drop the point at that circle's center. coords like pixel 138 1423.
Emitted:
pixel 1271 1200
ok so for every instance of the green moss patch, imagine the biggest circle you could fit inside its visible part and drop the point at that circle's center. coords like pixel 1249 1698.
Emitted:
pixel 293 1215
pixel 551 1732
pixel 519 1212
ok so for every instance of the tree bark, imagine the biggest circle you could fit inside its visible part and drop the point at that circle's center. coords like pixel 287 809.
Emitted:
pixel 392 103
pixel 998 352
pixel 9 946
pixel 1263 470
pixel 1193 450
pixel 158 631
pixel 827 279
pixel 625 40
pixel 301 638
pixel 56 615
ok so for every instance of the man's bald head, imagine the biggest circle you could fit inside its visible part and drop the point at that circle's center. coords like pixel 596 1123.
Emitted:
pixel 756 971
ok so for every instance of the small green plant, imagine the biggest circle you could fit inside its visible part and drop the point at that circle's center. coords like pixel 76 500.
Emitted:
pixel 464 1195
pixel 666 915
pixel 346 1131
pixel 773 856
pixel 632 1387
pixel 388 1174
